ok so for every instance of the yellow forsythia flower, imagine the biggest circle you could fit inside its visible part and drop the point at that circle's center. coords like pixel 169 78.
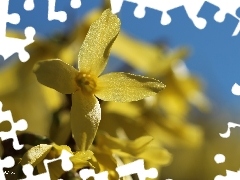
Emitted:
pixel 85 84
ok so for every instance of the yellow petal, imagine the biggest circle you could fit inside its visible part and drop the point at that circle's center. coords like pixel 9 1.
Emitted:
pixel 57 75
pixel 139 144
pixel 106 162
pixel 52 98
pixel 145 57
pixel 125 109
pixel 127 146
pixel 172 102
pixel 86 155
pixel 140 55
pixel 85 118
pixel 80 159
pixel 156 155
pixel 36 154
pixel 55 169
pixel 93 54
pixel 57 150
pixel 138 148
pixel 126 123
pixel 124 87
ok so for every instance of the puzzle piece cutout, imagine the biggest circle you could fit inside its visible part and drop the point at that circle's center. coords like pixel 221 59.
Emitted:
pixel 236 89
pixel 227 7
pixel 231 175
pixel 75 4
pixel 55 15
pixel 52 14
pixel 192 9
pixel 66 166
pixel 29 5
pixel 220 158
pixel 208 11
pixel 20 125
pixel 60 15
pixel 228 132
pixel 8 45
pixel 87 173
pixel 7 162
pixel 136 167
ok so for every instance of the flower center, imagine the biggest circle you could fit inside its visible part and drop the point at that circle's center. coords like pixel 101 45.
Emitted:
pixel 86 82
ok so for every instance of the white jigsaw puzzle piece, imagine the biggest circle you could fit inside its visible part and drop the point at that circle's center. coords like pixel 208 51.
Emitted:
pixel 87 173
pixel 231 175
pixel 137 167
pixel 220 158
pixel 7 162
pixel 28 171
pixel 236 89
pixel 227 7
pixel 66 166
pixel 52 14
pixel 29 5
pixel 228 132
pixel 55 15
pixel 60 15
pixel 8 45
pixel 192 9
pixel 75 4
pixel 20 125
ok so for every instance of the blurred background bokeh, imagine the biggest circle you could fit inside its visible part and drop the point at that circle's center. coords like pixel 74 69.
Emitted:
pixel 199 68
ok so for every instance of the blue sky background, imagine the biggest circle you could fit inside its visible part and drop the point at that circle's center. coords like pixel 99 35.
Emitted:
pixel 214 54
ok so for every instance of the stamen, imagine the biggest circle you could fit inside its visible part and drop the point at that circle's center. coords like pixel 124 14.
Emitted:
pixel 86 82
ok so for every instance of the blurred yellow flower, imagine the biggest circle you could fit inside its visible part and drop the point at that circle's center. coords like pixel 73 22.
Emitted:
pixel 167 130
pixel 157 63
pixel 139 148
pixel 110 152
pixel 85 83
